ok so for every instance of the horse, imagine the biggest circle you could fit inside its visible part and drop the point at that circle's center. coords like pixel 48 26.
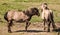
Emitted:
pixel 47 16
pixel 20 16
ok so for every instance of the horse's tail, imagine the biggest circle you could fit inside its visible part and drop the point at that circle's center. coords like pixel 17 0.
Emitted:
pixel 5 16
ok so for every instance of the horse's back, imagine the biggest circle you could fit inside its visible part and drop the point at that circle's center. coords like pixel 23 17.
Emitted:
pixel 19 15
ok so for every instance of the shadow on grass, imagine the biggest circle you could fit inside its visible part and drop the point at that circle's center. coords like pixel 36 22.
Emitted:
pixel 57 30
pixel 30 31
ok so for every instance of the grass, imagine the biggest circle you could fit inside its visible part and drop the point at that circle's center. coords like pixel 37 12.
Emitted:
pixel 6 5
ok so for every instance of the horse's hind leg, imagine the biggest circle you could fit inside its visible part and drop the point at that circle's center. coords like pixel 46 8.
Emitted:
pixel 49 26
pixel 53 25
pixel 9 26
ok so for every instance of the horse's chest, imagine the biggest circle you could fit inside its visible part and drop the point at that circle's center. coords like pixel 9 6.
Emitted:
pixel 45 14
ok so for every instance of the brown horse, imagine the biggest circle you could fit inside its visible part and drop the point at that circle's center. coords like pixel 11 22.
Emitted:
pixel 22 16
pixel 47 16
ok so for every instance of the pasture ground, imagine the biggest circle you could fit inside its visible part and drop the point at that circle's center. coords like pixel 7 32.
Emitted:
pixel 33 29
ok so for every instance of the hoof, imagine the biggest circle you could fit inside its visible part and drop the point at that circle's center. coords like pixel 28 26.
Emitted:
pixel 10 31
pixel 44 28
pixel 26 30
pixel 48 31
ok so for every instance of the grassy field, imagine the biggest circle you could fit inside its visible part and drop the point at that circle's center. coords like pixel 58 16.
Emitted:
pixel 6 5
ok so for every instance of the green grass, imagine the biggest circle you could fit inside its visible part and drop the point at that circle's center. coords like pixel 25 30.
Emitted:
pixel 6 5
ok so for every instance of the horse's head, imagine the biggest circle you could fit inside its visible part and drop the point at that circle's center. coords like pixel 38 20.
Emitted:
pixel 44 5
pixel 35 11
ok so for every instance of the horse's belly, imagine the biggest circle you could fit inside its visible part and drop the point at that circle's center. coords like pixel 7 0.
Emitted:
pixel 23 19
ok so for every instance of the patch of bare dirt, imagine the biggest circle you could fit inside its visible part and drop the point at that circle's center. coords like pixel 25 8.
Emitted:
pixel 34 29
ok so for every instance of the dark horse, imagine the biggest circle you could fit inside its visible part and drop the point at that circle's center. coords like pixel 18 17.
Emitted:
pixel 22 16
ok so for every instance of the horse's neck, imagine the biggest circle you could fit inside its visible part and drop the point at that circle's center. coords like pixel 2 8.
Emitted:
pixel 29 15
pixel 44 9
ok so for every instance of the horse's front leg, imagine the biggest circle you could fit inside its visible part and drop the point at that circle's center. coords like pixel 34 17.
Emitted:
pixel 9 26
pixel 44 24
pixel 27 24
